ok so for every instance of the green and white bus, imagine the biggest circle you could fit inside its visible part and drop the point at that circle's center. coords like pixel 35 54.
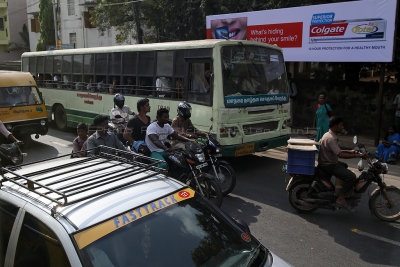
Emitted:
pixel 239 88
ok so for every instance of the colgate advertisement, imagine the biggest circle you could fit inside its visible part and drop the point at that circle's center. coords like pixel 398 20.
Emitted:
pixel 353 31
pixel 349 31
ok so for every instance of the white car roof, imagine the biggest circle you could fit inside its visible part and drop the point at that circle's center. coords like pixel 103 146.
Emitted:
pixel 85 182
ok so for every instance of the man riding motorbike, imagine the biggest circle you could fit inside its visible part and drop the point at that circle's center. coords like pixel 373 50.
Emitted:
pixel 120 113
pixel 329 163
pixel 9 136
pixel 157 134
pixel 183 125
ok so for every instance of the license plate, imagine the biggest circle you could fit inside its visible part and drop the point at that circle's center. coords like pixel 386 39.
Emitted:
pixel 201 166
pixel 244 150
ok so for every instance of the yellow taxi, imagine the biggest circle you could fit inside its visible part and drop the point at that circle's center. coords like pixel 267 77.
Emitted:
pixel 22 108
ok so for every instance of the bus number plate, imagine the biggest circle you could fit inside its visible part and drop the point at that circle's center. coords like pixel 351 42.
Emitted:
pixel 244 150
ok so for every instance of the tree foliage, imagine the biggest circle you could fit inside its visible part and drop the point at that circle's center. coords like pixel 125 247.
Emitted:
pixel 46 21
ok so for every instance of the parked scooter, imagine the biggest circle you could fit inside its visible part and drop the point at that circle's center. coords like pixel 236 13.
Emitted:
pixel 188 166
pixel 310 192
pixel 226 175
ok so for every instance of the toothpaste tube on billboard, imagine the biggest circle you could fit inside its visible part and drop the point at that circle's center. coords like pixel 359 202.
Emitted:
pixel 349 31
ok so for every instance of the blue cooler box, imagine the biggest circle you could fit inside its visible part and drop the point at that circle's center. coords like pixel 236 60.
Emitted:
pixel 301 162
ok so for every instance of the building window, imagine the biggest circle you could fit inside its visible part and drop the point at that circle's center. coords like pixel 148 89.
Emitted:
pixel 71 7
pixel 1 24
pixel 87 17
pixel 72 38
pixel 35 26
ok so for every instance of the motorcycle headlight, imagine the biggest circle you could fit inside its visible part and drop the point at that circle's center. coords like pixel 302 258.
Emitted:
pixel 43 122
pixel 200 157
pixel 385 168
pixel 217 150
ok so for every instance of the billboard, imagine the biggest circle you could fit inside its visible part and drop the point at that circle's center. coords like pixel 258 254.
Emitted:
pixel 356 31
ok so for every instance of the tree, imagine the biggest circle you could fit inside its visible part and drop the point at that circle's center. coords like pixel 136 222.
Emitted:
pixel 46 21
pixel 122 15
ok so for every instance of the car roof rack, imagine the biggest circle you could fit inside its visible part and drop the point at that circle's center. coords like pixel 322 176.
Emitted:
pixel 59 183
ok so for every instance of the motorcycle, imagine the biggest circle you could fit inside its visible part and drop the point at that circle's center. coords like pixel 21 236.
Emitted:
pixel 226 175
pixel 308 193
pixel 10 155
pixel 187 166
pixel 119 125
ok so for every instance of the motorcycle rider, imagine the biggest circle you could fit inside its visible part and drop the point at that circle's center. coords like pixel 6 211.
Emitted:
pixel 328 161
pixel 183 125
pixel 120 112
pixel 157 134
pixel 8 135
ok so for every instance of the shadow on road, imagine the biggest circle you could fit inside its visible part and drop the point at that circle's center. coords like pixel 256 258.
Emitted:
pixel 241 209
pixel 267 185
pixel 37 151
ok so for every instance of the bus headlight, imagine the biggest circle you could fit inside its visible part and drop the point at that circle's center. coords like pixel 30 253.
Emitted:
pixel 228 131
pixel 233 132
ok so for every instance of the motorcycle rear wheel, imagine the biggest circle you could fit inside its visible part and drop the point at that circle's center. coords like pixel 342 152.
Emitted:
pixel 296 192
pixel 210 188
pixel 226 177
pixel 380 207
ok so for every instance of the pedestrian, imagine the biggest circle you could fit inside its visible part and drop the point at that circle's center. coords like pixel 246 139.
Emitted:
pixel 389 149
pixel 323 112
pixel 77 144
pixel 292 95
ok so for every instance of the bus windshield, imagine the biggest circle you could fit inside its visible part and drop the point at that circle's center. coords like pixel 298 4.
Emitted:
pixel 253 76
pixel 19 96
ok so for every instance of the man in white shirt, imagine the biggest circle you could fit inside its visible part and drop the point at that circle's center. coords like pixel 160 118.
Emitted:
pixel 8 135
pixel 157 134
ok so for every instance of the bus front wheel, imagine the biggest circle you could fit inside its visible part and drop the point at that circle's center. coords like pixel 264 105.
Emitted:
pixel 60 117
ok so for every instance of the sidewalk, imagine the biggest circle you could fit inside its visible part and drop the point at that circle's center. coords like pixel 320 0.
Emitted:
pixel 346 142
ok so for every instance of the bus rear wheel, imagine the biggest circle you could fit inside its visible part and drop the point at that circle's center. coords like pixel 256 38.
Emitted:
pixel 60 117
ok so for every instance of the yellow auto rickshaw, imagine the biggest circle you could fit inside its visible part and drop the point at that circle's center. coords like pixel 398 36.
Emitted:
pixel 22 108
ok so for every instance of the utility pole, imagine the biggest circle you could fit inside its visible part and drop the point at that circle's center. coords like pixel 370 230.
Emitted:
pixel 380 100
pixel 55 21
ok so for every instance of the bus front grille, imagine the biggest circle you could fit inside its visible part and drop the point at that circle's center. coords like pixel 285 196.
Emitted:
pixel 258 128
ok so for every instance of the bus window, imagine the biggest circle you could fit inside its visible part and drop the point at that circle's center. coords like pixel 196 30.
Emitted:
pixel 88 64
pixel 128 86
pixel 114 64
pixel 200 83
pixel 180 63
pixel 101 64
pixel 78 64
pixel 146 86
pixel 32 65
pixel 25 64
pixel 165 63
pixel 249 70
pixel 146 64
pixel 129 63
pixel 57 64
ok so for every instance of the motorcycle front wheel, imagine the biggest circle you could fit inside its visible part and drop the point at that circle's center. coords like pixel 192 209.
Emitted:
pixel 226 177
pixel 210 188
pixel 297 192
pixel 381 207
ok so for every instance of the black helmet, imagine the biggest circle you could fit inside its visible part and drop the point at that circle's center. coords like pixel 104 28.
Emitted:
pixel 119 100
pixel 184 109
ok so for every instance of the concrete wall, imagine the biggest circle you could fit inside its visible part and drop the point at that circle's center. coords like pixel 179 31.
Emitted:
pixel 17 16
pixel 32 7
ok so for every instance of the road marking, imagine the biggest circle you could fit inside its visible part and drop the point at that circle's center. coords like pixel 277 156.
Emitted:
pixel 59 144
pixel 396 243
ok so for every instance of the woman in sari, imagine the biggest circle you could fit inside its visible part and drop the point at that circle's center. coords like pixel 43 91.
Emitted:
pixel 389 149
pixel 322 113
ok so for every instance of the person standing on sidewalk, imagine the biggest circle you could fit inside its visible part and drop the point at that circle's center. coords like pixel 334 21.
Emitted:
pixel 292 95
pixel 323 112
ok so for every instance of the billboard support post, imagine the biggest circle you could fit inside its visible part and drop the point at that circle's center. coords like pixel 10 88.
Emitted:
pixel 380 100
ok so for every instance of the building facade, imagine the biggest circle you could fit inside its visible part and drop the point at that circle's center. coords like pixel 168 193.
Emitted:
pixel 75 29
pixel 12 20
